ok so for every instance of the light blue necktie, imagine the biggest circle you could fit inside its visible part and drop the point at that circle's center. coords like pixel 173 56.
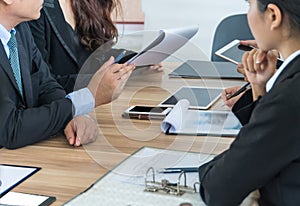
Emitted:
pixel 14 60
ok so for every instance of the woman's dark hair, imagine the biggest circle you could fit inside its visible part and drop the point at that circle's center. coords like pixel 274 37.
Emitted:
pixel 290 8
pixel 93 21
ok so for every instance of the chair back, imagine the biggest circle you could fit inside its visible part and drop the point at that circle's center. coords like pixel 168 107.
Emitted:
pixel 230 28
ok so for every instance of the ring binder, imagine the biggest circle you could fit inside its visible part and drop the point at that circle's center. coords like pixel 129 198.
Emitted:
pixel 130 187
pixel 165 186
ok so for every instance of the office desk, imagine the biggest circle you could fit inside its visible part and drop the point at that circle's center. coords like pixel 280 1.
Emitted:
pixel 67 171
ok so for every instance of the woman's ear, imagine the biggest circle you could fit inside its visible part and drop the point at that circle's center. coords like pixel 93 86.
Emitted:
pixel 274 16
pixel 8 2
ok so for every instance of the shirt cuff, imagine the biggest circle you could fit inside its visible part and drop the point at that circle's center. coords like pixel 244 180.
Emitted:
pixel 83 101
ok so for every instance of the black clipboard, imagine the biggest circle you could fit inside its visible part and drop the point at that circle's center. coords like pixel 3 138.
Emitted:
pixel 7 182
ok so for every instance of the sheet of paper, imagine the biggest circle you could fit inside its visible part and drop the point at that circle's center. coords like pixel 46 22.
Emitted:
pixel 11 175
pixel 173 120
pixel 134 170
pixel 16 198
pixel 124 194
pixel 164 45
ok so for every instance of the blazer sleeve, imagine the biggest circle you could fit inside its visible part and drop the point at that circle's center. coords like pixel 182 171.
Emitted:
pixel 249 163
pixel 22 126
pixel 49 88
pixel 244 106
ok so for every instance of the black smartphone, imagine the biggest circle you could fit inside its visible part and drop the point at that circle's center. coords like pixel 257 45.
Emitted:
pixel 146 112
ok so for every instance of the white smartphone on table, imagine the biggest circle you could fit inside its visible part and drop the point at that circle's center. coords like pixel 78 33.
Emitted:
pixel 146 112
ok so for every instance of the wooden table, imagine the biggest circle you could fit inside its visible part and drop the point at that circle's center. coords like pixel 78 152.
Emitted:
pixel 67 171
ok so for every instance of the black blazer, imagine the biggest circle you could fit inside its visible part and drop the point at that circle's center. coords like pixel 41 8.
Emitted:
pixel 266 153
pixel 43 111
pixel 57 47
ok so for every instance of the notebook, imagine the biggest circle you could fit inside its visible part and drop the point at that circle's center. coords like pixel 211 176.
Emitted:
pixel 181 120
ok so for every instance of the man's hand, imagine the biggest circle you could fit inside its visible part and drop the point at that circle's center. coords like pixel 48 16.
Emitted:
pixel 81 130
pixel 109 81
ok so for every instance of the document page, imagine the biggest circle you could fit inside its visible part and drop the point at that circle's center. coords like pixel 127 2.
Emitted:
pixel 134 169
pixel 16 198
pixel 168 41
pixel 12 175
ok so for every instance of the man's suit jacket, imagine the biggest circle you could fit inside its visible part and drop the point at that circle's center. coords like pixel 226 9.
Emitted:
pixel 266 153
pixel 43 111
pixel 56 44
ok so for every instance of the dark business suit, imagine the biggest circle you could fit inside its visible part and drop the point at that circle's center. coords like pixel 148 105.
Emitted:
pixel 43 111
pixel 266 153
pixel 56 43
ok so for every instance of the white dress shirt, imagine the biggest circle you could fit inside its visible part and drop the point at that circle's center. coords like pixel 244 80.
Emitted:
pixel 272 80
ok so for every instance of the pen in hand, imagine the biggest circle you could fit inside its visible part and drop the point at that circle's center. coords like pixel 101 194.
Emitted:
pixel 242 89
pixel 247 85
pixel 249 48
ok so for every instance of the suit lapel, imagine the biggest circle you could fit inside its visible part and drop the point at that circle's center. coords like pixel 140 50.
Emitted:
pixel 25 72
pixel 4 63
pixel 54 15
pixel 292 68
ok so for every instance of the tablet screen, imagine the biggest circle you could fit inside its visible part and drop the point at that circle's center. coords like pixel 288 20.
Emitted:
pixel 231 52
pixel 206 69
pixel 199 97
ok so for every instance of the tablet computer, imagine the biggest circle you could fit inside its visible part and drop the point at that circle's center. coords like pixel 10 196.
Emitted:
pixel 198 97
pixel 206 69
pixel 231 52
